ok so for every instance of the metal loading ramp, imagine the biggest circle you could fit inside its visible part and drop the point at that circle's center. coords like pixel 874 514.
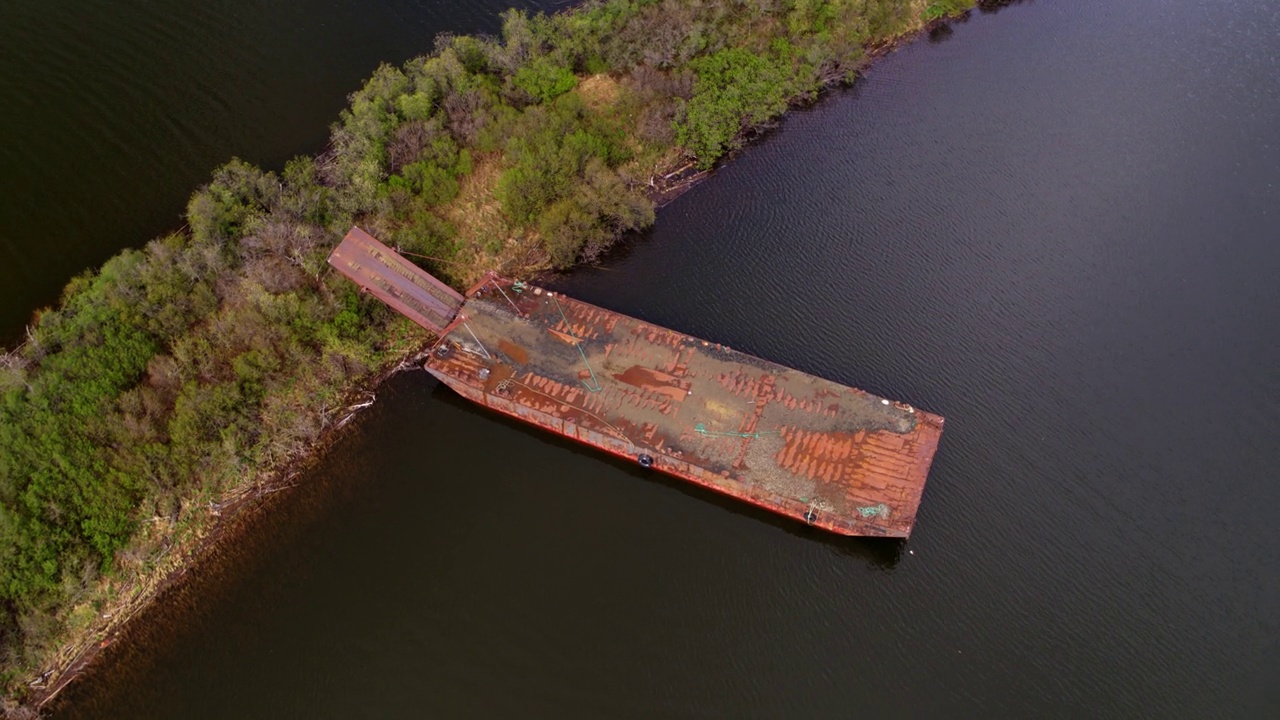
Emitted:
pixel 383 273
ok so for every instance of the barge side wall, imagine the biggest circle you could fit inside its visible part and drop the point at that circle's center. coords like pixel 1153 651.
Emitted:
pixel 673 466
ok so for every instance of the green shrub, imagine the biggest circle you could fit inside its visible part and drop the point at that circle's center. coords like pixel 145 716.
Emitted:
pixel 546 155
pixel 220 211
pixel 566 226
pixel 543 80
pixel 735 89
pixel 944 8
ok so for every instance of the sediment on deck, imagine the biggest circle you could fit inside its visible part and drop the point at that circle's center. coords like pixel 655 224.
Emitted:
pixel 825 454
pixel 828 455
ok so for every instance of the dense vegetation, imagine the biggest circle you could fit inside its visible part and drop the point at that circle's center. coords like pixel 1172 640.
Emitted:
pixel 185 368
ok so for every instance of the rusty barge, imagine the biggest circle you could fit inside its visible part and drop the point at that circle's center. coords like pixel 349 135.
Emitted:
pixel 827 455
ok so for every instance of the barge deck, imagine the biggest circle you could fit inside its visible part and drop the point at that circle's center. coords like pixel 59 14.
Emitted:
pixel 831 456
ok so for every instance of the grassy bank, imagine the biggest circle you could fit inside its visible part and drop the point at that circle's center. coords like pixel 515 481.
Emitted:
pixel 178 375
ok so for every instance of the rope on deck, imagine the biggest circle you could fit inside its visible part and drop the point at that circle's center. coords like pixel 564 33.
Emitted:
pixel 594 382
pixel 701 429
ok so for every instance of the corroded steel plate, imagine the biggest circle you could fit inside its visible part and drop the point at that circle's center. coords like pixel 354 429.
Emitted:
pixel 395 281
pixel 828 455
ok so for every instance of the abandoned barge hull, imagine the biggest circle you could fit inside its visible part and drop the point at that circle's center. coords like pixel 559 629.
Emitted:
pixel 827 455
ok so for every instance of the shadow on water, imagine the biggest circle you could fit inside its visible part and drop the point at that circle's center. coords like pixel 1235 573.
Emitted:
pixel 990 7
pixel 941 32
pixel 881 553
pixel 944 29
pixel 608 260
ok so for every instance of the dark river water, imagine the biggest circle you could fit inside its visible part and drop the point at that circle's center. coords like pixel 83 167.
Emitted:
pixel 1058 226
pixel 114 111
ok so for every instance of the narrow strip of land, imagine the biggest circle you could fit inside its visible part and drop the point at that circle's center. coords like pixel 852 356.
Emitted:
pixel 203 367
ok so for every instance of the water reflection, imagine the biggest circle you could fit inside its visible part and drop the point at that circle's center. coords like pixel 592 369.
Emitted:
pixel 940 32
pixel 944 29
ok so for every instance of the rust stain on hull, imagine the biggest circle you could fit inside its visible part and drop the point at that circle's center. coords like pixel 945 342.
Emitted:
pixel 832 456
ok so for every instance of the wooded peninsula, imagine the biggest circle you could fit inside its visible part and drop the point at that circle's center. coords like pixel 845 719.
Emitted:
pixel 182 376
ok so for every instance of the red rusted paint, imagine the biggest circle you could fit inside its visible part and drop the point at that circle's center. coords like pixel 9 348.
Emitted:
pixel 395 281
pixel 832 456
pixel 829 455
pixel 513 351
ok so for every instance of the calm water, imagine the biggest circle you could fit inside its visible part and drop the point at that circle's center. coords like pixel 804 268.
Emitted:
pixel 114 111
pixel 1057 227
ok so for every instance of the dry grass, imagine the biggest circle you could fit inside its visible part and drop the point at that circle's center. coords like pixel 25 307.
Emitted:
pixel 488 240
pixel 599 91
pixel 477 215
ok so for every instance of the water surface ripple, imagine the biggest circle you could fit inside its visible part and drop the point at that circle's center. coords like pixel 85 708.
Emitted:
pixel 1057 227
pixel 114 112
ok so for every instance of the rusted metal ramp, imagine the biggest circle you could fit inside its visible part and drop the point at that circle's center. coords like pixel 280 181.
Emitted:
pixel 395 281
pixel 825 454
